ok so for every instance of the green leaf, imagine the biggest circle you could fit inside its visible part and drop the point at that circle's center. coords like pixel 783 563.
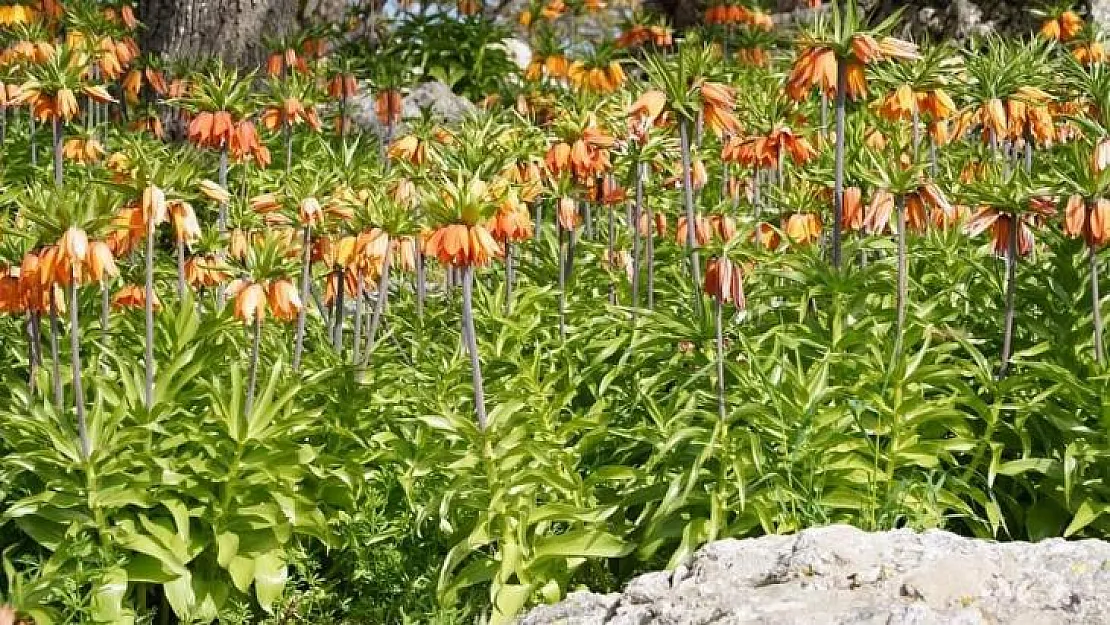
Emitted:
pixel 143 568
pixel 107 598
pixel 508 600
pixel 270 574
pixel 241 569
pixel 582 543
pixel 227 545
pixel 1086 514
pixel 180 595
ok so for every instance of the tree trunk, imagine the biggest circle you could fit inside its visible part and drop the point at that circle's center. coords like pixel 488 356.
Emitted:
pixel 232 30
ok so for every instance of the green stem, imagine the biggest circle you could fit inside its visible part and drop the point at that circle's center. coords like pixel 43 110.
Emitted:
pixel 148 308
pixel 838 183
pixel 340 313
pixel 1011 290
pixel 180 269
pixel 75 363
pixel 688 200
pixel 562 287
pixel 54 357
pixel 721 412
pixel 379 308
pixel 306 273
pixel 637 210
pixel 1096 303
pixel 903 278
pixel 509 276
pixel 57 141
pixel 252 376
pixel 472 346
pixel 356 323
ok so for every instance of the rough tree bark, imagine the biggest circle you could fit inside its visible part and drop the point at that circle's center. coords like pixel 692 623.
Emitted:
pixel 229 29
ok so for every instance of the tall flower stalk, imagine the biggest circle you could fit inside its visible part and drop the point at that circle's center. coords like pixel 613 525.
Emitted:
pixel 264 289
pixel 832 58
pixel 691 83
pixel 153 209
pixel 1012 203
pixel 460 209
pixel 1086 214
pixel 724 284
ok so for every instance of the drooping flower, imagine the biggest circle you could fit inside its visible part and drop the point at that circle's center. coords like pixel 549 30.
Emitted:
pixel 250 300
pixel 283 299
pixel 1088 219
pixel 724 280
pixel 133 296
pixel 461 245
pixel 803 228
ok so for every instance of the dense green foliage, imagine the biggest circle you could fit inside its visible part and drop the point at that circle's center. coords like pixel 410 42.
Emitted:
pixel 627 425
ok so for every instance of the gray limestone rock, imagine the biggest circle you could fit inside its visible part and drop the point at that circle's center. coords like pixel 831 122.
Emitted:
pixel 435 97
pixel 1100 12
pixel 841 575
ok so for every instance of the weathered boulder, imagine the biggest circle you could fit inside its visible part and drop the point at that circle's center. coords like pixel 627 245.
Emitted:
pixel 842 575
pixel 433 96
pixel 1100 12
pixel 519 51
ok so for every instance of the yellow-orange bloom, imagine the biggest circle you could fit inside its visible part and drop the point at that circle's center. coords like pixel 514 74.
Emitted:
pixel 814 67
pixel 83 151
pixel 101 264
pixel 893 48
pixel 310 212
pixel 204 271
pixel 1090 53
pixel 766 236
pixel 993 118
pixel 1064 27
pixel 724 280
pixel 237 245
pixel 153 205
pixel 1000 225
pixel 866 49
pixel 803 228
pixel 512 223
pixel 876 218
pixel 387 105
pixel 284 301
pixel 213 191
pixel 1088 220
pixel 703 230
pixel 461 245
pixel 134 297
pixel 1100 157
pixel 648 106
pixel 73 247
pixel 724 226
pixel 250 301
pixel 409 148
pixel 567 214
pixel 853 209
pixel 856 81
pixel 185 225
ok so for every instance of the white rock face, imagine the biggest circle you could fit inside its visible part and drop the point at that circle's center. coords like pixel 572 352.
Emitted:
pixel 436 97
pixel 840 575
pixel 1100 12
pixel 519 51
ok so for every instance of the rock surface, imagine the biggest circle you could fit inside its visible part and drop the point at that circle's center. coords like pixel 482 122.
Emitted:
pixel 1100 12
pixel 433 96
pixel 842 575
pixel 938 19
